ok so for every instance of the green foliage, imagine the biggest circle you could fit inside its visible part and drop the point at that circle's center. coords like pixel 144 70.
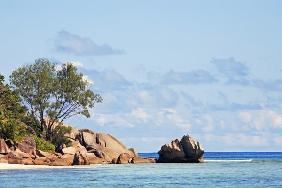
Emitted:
pixel 11 129
pixel 58 135
pixel 43 145
pixel 53 93
pixel 11 114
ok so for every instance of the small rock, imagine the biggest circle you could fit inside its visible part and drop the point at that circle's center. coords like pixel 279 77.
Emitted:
pixel 124 158
pixel 140 160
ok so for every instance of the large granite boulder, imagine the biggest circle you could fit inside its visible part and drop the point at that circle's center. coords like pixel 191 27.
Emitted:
pixel 188 150
pixel 65 160
pixel 192 148
pixel 103 145
pixel 80 159
pixel 19 157
pixel 4 149
pixel 41 161
pixel 95 160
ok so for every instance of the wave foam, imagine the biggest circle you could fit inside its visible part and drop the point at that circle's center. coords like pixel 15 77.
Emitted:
pixel 228 160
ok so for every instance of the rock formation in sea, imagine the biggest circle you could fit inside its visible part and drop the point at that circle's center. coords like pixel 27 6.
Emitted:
pixel 86 147
pixel 187 150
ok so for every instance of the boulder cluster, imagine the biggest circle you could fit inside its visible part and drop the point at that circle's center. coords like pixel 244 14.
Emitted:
pixel 86 147
pixel 187 150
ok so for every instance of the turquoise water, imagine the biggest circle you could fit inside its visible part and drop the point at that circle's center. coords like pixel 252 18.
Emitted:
pixel 220 170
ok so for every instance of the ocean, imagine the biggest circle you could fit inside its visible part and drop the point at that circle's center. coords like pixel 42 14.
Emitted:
pixel 221 169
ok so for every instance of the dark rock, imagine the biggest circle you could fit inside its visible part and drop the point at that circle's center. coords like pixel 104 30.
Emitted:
pixel 188 150
pixel 192 149
pixel 11 144
pixel 80 159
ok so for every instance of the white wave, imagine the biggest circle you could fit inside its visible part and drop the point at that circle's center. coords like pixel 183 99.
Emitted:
pixel 228 160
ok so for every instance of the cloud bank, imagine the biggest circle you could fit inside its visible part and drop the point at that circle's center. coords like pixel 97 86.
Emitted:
pixel 70 43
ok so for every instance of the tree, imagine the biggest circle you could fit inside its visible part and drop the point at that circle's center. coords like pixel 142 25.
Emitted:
pixel 53 93
pixel 11 113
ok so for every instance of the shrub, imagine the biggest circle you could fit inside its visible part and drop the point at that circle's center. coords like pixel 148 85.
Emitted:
pixel 44 145
pixel 58 136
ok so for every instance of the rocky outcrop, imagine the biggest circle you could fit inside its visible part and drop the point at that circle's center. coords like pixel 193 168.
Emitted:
pixel 192 148
pixel 27 145
pixel 125 158
pixel 80 159
pixel 4 149
pixel 188 150
pixel 19 157
pixel 85 147
pixel 65 160
pixel 3 158
pixel 141 160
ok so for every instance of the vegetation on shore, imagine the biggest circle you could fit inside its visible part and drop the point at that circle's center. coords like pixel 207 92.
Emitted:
pixel 39 98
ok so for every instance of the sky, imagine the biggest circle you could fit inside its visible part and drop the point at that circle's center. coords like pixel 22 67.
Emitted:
pixel 211 69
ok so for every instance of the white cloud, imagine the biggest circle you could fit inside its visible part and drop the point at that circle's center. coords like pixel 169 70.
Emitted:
pixel 82 46
pixel 172 117
pixel 113 120
pixel 140 114
pixel 261 119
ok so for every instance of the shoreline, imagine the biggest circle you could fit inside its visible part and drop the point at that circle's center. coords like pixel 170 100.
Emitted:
pixel 7 166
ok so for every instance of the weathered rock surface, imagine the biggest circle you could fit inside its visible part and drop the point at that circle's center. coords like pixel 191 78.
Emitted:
pixel 80 159
pixel 140 160
pixel 41 161
pixel 19 157
pixel 40 153
pixel 95 160
pixel 103 145
pixel 4 149
pixel 65 160
pixel 192 148
pixel 85 147
pixel 188 150
pixel 124 158
pixel 27 145
pixel 3 158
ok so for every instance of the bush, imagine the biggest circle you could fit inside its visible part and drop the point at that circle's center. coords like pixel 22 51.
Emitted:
pixel 11 129
pixel 44 145
pixel 58 135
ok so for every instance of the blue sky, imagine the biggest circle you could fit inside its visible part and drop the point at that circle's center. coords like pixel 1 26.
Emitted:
pixel 164 68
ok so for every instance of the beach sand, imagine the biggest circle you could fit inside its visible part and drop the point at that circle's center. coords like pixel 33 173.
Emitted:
pixel 6 166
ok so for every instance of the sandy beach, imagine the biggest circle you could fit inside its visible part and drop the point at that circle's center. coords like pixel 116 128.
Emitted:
pixel 6 166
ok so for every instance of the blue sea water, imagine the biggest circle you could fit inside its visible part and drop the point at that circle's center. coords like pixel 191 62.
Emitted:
pixel 221 169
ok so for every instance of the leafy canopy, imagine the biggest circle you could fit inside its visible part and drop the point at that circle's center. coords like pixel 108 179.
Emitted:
pixel 53 93
pixel 12 113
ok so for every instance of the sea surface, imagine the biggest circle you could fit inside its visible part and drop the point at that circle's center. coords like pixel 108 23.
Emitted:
pixel 221 169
